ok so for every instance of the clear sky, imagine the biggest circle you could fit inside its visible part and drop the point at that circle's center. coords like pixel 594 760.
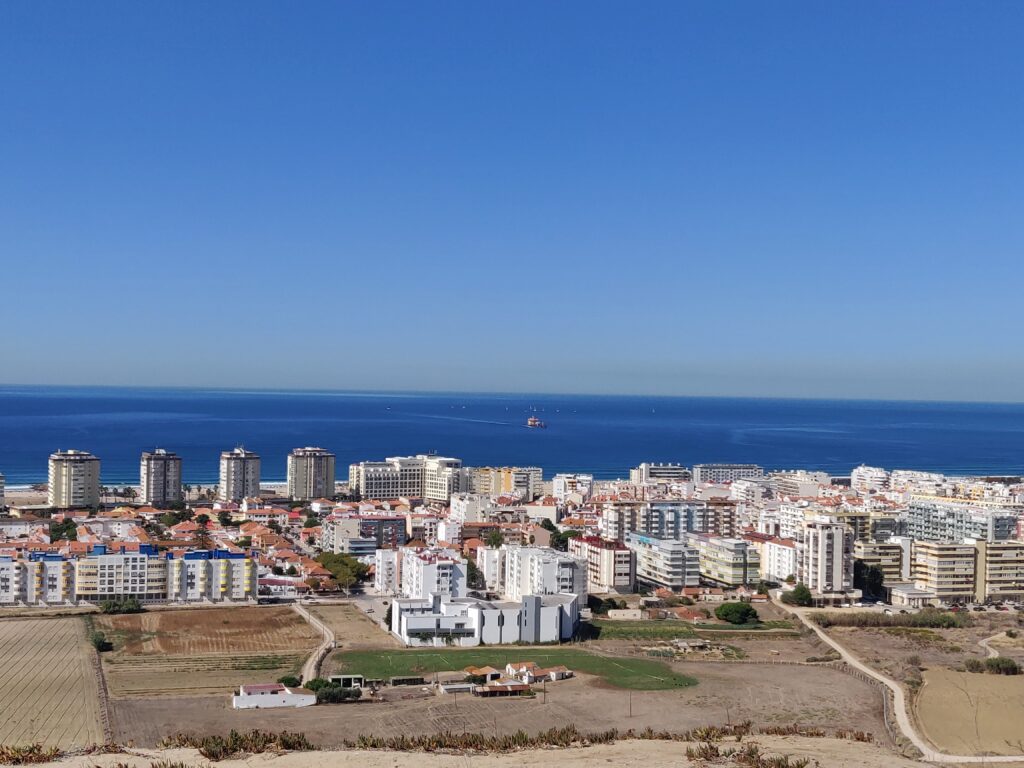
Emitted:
pixel 806 199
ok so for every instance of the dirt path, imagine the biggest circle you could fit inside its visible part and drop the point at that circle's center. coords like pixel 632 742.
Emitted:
pixel 903 720
pixel 311 669
pixel 992 652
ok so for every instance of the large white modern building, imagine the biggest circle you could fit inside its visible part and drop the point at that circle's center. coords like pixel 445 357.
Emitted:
pixel 427 477
pixel 525 482
pixel 440 621
pixel 725 473
pixel 671 519
pixel 74 480
pixel 239 475
pixel 659 473
pixel 566 486
pixel 541 571
pixel 310 474
pixel 948 520
pixel 826 556
pixel 160 477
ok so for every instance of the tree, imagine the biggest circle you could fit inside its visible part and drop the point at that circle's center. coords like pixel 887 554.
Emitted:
pixel 799 595
pixel 869 579
pixel 66 529
pixel 202 519
pixel 736 613
pixel 224 518
pixel 291 681
pixel 345 569
pixel 474 576
pixel 560 541
pixel 291 571
pixel 495 539
pixel 311 522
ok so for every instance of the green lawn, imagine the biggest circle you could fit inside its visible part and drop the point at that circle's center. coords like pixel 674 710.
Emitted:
pixel 606 629
pixel 638 674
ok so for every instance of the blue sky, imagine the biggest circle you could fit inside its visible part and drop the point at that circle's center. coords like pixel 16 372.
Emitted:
pixel 797 199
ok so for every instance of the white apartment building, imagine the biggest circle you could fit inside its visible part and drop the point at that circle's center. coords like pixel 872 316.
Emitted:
pixel 725 473
pixel 941 520
pixel 387 571
pixel 747 491
pixel 667 563
pixel 74 480
pixel 470 508
pixel 449 531
pixel 428 477
pixel 100 577
pixel 541 571
pixel 649 472
pixel 778 559
pixel 865 479
pixel 726 562
pixel 564 486
pixel 799 483
pixel 160 477
pixel 826 556
pixel 425 572
pixel 239 475
pixel 611 566
pixel 310 474
pixel 2 490
pixel 211 576
pixel 525 482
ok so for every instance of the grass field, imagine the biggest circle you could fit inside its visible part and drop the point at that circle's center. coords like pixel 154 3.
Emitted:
pixel 206 651
pixel 48 690
pixel 637 674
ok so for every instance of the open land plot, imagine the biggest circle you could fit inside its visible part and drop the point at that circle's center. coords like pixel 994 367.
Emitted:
pixel 970 713
pixel 352 628
pixel 207 651
pixel 636 673
pixel 48 688
pixel 764 694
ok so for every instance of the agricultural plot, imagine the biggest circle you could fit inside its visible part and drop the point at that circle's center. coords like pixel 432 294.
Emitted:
pixel 48 688
pixel 634 673
pixel 201 652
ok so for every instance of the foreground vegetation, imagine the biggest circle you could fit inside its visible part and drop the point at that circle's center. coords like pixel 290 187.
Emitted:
pixel 637 674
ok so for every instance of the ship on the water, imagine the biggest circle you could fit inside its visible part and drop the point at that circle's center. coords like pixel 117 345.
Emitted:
pixel 534 423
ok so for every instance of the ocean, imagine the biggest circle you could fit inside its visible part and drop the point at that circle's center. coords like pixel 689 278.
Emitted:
pixel 604 435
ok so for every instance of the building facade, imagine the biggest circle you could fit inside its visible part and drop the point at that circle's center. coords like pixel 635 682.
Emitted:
pixel 662 562
pixel 239 475
pixel 611 566
pixel 310 474
pixel 74 480
pixel 160 478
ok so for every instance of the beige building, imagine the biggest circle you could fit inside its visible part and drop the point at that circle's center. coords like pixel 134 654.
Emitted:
pixel 528 482
pixel 945 570
pixel 160 477
pixel 74 480
pixel 427 477
pixel 310 474
pixel 239 475
pixel 999 571
pixel 891 556
pixel 611 566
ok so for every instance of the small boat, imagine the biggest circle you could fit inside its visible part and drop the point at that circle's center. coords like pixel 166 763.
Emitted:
pixel 534 423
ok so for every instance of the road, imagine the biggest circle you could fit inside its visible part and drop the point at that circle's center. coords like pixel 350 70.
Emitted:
pixel 903 721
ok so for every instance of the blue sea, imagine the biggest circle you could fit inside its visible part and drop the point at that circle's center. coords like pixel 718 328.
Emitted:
pixel 602 435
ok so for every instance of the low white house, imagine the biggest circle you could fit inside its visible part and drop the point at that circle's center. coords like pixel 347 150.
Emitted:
pixel 270 695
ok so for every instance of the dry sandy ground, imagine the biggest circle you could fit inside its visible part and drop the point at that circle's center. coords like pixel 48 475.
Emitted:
pixel 829 753
pixel 970 713
pixel 353 629
pixel 48 690
pixel 202 652
pixel 726 693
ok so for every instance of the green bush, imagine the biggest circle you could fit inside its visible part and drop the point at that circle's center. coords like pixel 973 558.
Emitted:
pixel 799 595
pixel 335 694
pixel 929 617
pixel 291 681
pixel 316 684
pixel 99 642
pixel 736 613
pixel 1001 665
pixel 121 605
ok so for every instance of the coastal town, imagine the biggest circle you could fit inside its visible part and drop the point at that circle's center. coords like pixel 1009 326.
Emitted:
pixel 419 578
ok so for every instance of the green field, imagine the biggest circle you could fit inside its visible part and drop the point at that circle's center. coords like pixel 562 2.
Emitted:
pixel 638 674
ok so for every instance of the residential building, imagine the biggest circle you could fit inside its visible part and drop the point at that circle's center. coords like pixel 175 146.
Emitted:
pixel 310 474
pixel 525 482
pixel 541 571
pixel 104 575
pixel 611 566
pixel 216 576
pixel 892 556
pixel 271 695
pixel 725 473
pixel 346 533
pixel 74 480
pixel 941 520
pixel 567 487
pixel 239 475
pixel 2 489
pixel 826 556
pixel 945 570
pixel 433 571
pixel 386 571
pixel 999 571
pixel 428 477
pixel 671 519
pixel 778 559
pixel 160 478
pixel 664 562
pixel 869 479
pixel 724 561
pixel 659 473
pixel 799 483
pixel 439 620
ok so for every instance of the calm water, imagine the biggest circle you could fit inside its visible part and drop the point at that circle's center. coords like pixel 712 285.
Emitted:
pixel 603 435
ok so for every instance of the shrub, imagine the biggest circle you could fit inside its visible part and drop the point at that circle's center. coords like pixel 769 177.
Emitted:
pixel 121 605
pixel 736 613
pixel 929 617
pixel 28 754
pixel 1002 665
pixel 799 595
pixel 334 694
pixel 1011 633
pixel 99 642
pixel 974 665
pixel 291 681
pixel 316 684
